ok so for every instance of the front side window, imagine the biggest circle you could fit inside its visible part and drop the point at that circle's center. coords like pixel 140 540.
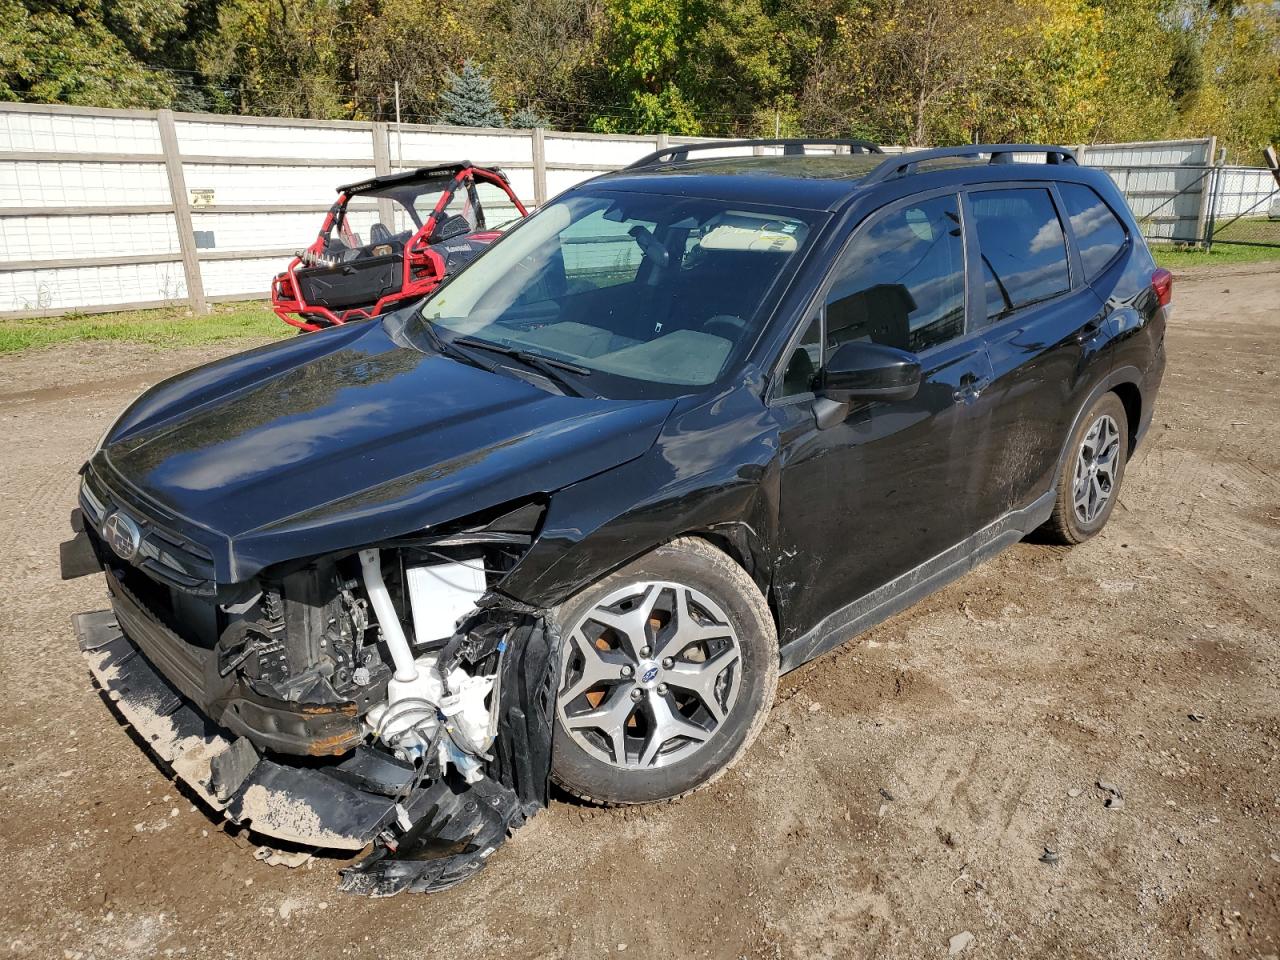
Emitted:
pixel 641 289
pixel 1023 249
pixel 901 281
pixel 1098 232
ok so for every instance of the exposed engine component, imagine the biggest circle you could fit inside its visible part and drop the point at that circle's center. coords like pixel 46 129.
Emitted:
pixel 433 712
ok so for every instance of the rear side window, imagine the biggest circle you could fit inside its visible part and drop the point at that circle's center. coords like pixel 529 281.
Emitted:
pixel 1024 251
pixel 1099 233
pixel 901 282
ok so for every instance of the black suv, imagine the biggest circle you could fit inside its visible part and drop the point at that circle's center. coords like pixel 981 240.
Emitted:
pixel 689 426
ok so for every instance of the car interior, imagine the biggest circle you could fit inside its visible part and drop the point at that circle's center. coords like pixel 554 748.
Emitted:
pixel 663 302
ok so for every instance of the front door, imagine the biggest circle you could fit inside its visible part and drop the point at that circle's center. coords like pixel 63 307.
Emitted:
pixel 869 499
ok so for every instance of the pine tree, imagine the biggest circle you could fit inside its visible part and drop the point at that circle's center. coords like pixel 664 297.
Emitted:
pixel 468 99
pixel 526 118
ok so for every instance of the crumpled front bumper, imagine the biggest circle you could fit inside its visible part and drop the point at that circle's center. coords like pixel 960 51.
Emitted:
pixel 426 837
pixel 313 806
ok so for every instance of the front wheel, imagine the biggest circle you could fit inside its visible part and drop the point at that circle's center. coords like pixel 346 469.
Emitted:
pixel 1090 482
pixel 668 672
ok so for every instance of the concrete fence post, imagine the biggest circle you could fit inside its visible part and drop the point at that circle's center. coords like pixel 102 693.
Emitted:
pixel 182 211
pixel 381 167
pixel 539 167
pixel 1208 195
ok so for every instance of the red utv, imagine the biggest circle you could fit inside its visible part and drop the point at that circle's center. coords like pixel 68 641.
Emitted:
pixel 391 240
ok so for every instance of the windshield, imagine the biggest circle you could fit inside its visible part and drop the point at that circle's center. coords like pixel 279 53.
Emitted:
pixel 643 288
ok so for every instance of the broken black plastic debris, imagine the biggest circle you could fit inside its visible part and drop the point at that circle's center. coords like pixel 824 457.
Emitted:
pixel 456 828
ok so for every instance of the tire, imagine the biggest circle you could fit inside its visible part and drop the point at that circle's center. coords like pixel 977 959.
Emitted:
pixel 701 649
pixel 1077 518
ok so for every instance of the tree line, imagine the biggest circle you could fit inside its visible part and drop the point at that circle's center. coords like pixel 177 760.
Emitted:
pixel 893 71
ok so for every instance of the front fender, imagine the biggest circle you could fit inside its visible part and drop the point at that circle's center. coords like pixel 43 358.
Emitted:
pixel 711 473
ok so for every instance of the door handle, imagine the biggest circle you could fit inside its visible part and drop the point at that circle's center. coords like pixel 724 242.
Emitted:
pixel 1089 330
pixel 971 387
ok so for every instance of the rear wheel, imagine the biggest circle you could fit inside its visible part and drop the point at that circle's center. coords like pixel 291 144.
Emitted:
pixel 1090 483
pixel 669 668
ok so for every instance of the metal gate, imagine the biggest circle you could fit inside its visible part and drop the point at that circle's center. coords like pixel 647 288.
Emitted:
pixel 1204 206
pixel 1179 196
pixel 1245 207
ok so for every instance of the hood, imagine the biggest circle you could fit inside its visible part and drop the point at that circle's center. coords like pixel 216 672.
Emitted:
pixel 346 437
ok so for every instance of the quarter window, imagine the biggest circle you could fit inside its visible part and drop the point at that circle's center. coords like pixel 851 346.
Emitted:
pixel 1023 249
pixel 901 281
pixel 1099 234
pixel 804 363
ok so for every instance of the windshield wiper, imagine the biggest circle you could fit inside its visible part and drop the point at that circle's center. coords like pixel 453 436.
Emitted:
pixel 448 349
pixel 549 367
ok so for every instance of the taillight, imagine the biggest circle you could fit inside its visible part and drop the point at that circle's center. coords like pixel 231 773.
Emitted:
pixel 1162 284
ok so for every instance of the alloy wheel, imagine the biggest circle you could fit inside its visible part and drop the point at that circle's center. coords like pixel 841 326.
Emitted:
pixel 1096 466
pixel 650 673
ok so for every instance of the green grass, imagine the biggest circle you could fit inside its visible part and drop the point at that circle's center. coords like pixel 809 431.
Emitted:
pixel 1222 255
pixel 169 326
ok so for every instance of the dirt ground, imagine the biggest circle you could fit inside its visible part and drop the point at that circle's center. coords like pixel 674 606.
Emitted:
pixel 902 793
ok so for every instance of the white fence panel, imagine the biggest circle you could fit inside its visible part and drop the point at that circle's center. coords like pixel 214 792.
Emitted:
pixel 67 289
pixel 1244 191
pixel 45 238
pixel 415 146
pixel 46 183
pixel 221 139
pixel 255 231
pixel 245 183
pixel 239 278
pixel 79 133
pixel 603 153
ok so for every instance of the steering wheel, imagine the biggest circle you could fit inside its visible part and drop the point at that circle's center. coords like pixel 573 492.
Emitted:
pixel 726 326
pixel 379 233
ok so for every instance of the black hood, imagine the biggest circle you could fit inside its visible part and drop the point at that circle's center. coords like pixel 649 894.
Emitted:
pixel 350 436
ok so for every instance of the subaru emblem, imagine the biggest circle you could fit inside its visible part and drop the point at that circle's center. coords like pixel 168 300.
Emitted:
pixel 122 535
pixel 649 675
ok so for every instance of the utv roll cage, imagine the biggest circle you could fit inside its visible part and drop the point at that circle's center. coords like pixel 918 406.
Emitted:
pixel 408 176
pixel 316 290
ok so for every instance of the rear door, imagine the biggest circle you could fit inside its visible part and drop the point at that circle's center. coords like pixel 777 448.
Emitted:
pixel 1043 328
pixel 868 499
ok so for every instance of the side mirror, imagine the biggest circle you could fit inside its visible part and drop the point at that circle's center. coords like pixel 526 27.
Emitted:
pixel 450 227
pixel 860 370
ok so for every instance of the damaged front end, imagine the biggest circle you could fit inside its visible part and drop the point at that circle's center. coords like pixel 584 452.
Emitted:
pixel 390 694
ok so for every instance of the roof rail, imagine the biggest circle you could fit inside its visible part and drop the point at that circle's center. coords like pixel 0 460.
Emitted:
pixel 791 146
pixel 904 164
